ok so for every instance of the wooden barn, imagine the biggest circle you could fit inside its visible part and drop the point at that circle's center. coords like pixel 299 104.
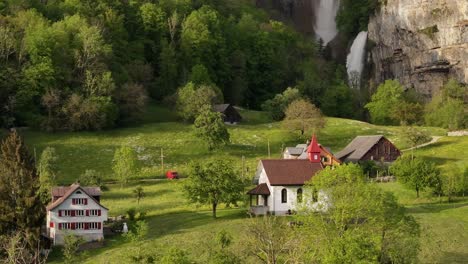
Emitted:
pixel 364 148
pixel 230 114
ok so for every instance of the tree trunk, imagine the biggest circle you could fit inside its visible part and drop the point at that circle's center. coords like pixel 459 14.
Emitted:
pixel 417 192
pixel 214 209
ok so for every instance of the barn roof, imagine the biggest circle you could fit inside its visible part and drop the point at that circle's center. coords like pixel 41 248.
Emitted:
pixel 221 107
pixel 358 147
pixel 69 190
pixel 290 171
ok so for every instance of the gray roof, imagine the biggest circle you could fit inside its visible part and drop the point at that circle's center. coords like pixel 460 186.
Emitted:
pixel 303 146
pixel 220 107
pixel 358 148
pixel 294 151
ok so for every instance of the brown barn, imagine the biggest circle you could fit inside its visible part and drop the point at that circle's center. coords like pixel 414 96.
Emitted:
pixel 364 148
pixel 230 114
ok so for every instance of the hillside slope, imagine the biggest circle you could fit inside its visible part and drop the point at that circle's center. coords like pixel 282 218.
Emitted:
pixel 94 150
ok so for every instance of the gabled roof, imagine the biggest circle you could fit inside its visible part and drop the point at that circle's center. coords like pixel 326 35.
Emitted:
pixel 261 189
pixel 69 191
pixel 221 107
pixel 294 151
pixel 358 147
pixel 60 191
pixel 290 171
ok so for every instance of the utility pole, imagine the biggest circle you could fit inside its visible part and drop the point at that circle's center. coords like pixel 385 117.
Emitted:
pixel 162 162
pixel 269 148
pixel 243 166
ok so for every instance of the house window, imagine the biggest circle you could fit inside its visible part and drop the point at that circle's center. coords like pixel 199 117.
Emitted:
pixel 284 196
pixel 67 212
pixel 95 212
pixel 65 226
pixel 79 226
pixel 299 195
pixel 81 201
pixel 79 212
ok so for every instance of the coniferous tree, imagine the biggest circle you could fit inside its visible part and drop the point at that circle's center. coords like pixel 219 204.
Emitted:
pixel 21 208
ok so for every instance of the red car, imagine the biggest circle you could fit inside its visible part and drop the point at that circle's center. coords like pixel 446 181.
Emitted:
pixel 172 175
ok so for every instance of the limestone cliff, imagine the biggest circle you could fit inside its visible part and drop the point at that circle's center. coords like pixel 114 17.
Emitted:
pixel 421 43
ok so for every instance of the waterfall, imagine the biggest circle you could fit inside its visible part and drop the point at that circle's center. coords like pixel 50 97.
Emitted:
pixel 325 24
pixel 355 59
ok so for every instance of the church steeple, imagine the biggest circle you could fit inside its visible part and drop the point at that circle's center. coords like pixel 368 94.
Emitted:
pixel 313 151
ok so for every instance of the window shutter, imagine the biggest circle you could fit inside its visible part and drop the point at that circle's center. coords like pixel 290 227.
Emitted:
pixel 86 201
pixel 73 201
pixel 99 225
pixel 60 212
pixel 73 212
pixel 73 226
pixel 60 226
pixel 99 212
pixel 86 226
pixel 87 212
pixel 51 224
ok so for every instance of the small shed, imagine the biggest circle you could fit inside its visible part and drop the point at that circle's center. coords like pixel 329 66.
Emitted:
pixel 230 113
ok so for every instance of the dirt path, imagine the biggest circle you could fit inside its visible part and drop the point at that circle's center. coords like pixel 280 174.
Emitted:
pixel 434 140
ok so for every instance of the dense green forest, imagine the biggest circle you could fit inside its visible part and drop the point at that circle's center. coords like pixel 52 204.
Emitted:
pixel 86 65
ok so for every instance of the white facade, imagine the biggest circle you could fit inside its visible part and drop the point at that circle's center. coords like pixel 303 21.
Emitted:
pixel 275 203
pixel 86 220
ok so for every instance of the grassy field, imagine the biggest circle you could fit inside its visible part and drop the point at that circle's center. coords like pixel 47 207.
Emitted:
pixel 174 223
pixel 158 130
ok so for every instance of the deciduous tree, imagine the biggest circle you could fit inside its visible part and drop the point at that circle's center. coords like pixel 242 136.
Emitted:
pixel 363 223
pixel 124 163
pixel 214 182
pixel 209 126
pixel 139 193
pixel 47 169
pixel 302 115
pixel 416 173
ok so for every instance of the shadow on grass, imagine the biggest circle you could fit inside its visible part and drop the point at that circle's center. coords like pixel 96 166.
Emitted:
pixel 125 194
pixel 454 257
pixel 435 207
pixel 181 222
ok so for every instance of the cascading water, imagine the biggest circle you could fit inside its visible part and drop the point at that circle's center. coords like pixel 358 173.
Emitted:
pixel 325 25
pixel 355 59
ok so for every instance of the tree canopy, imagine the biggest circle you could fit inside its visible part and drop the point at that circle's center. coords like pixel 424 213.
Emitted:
pixel 214 182
pixel 21 209
pixel 416 173
pixel 303 116
pixel 364 223
pixel 210 127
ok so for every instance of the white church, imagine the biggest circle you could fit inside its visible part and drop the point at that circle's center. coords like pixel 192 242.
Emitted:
pixel 280 182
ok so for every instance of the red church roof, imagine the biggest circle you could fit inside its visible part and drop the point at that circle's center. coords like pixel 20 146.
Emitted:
pixel 314 146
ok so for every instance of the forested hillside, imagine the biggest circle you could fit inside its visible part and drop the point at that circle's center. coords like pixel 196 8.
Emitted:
pixel 87 65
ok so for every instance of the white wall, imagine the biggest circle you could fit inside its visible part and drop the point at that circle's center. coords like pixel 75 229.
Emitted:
pixel 89 234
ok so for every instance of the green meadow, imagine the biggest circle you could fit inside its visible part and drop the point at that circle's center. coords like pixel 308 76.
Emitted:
pixel 175 223
pixel 256 138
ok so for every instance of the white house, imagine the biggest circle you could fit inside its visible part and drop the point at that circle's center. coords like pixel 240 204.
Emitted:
pixel 280 183
pixel 76 210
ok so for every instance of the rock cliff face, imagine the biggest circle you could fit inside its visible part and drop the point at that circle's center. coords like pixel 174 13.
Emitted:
pixel 421 43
